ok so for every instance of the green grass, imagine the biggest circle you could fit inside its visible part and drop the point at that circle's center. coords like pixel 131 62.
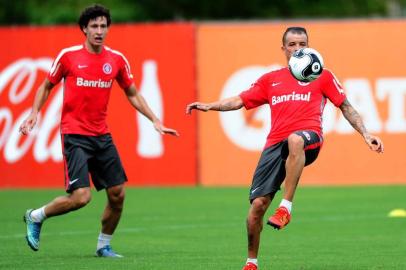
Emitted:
pixel 341 228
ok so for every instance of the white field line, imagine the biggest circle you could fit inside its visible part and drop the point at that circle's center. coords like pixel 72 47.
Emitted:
pixel 129 230
pixel 174 227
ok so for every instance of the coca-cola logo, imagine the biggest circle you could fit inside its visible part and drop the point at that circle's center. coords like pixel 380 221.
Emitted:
pixel 21 77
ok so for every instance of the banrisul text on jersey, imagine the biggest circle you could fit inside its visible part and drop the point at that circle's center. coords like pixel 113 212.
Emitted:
pixel 293 97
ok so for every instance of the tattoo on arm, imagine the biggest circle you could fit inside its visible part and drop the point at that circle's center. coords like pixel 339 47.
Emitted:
pixel 229 104
pixel 353 117
pixel 226 107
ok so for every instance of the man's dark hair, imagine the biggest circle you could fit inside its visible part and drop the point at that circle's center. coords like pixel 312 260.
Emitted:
pixel 294 30
pixel 93 12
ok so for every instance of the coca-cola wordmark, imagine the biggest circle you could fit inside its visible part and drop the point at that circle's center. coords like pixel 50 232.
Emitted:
pixel 21 77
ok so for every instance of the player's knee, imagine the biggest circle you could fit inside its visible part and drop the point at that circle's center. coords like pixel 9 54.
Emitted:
pixel 295 143
pixel 116 197
pixel 84 200
pixel 81 202
pixel 81 198
pixel 118 200
pixel 260 205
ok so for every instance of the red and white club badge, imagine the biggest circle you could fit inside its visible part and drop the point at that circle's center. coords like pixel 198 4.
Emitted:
pixel 107 69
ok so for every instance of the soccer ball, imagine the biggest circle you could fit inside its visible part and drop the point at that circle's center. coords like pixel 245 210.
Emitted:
pixel 306 64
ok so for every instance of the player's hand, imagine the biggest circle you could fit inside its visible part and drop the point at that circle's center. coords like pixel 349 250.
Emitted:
pixel 28 124
pixel 164 130
pixel 374 143
pixel 197 106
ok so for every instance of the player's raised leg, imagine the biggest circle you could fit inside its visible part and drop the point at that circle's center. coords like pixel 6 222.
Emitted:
pixel 59 206
pixel 294 166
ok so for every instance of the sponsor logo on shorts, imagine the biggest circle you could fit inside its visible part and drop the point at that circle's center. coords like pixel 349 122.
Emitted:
pixel 73 181
pixel 307 135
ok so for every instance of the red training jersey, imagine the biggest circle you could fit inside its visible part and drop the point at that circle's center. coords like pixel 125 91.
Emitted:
pixel 294 105
pixel 88 78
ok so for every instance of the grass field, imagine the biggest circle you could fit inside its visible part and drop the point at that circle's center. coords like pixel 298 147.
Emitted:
pixel 341 228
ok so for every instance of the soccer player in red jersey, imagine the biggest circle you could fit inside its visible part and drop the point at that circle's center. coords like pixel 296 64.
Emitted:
pixel 295 138
pixel 88 71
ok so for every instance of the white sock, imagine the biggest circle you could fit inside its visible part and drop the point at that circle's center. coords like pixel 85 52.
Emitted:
pixel 38 215
pixel 254 261
pixel 103 240
pixel 287 204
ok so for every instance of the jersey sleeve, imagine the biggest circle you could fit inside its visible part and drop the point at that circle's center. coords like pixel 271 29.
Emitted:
pixel 256 95
pixel 332 88
pixel 58 69
pixel 124 77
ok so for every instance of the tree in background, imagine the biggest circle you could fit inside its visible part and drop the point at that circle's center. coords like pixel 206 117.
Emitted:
pixel 65 12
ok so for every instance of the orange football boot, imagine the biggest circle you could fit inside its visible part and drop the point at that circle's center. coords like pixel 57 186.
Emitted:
pixel 250 266
pixel 280 219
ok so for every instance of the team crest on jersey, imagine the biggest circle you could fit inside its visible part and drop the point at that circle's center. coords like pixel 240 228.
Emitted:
pixel 107 69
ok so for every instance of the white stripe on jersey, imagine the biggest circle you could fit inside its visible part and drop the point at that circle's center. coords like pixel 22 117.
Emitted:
pixel 127 64
pixel 336 82
pixel 322 105
pixel 54 68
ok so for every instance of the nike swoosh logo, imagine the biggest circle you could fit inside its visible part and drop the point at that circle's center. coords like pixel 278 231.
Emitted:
pixel 252 192
pixel 82 66
pixel 73 181
pixel 275 84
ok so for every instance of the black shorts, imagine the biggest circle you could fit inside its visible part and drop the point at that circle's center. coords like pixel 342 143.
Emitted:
pixel 270 171
pixel 96 155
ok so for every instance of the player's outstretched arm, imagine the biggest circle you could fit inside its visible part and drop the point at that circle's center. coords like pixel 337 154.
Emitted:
pixel 228 104
pixel 374 142
pixel 139 103
pixel 40 97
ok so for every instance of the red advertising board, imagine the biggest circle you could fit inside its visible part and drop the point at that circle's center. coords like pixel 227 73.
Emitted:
pixel 162 61
pixel 176 63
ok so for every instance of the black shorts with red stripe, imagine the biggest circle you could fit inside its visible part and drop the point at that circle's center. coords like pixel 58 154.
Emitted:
pixel 270 171
pixel 94 155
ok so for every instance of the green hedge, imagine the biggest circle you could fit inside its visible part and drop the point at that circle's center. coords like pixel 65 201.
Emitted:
pixel 63 12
